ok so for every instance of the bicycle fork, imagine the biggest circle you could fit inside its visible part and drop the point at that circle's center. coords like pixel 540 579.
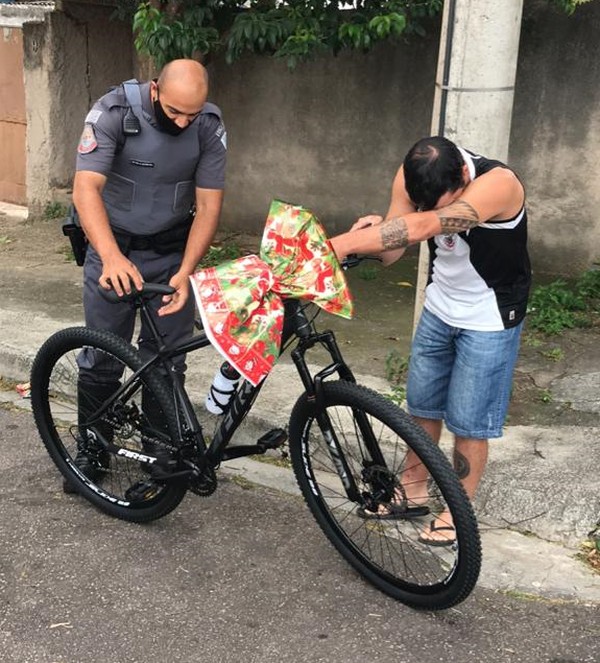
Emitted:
pixel 314 389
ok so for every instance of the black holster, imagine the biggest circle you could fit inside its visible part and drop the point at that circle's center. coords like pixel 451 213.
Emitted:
pixel 72 229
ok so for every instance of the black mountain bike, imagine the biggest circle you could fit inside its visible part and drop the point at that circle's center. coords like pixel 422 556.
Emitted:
pixel 347 444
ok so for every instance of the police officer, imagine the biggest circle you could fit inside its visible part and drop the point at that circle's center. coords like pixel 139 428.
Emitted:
pixel 149 154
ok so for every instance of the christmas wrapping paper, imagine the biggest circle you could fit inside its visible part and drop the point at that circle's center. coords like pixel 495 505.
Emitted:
pixel 240 301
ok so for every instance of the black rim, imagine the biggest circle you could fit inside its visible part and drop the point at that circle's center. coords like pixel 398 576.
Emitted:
pixel 116 482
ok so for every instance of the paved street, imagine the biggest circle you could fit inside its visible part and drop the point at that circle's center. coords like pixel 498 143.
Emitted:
pixel 245 575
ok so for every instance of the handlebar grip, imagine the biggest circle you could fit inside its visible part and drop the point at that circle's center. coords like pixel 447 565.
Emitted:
pixel 354 259
pixel 148 290
pixel 351 260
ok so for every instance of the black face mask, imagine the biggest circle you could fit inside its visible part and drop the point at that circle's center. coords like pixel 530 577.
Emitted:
pixel 165 123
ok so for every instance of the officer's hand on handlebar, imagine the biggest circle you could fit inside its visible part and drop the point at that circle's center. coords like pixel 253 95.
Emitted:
pixel 175 302
pixel 120 274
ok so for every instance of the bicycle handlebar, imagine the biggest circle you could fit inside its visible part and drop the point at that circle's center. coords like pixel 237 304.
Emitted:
pixel 148 290
pixel 354 259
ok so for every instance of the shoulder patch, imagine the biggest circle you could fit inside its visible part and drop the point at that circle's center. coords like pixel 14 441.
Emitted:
pixel 87 142
pixel 93 116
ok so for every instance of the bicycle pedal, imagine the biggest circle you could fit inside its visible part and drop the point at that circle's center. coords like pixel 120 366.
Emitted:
pixel 272 440
pixel 142 491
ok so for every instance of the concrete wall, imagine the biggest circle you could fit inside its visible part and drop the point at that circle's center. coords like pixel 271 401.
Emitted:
pixel 71 59
pixel 328 135
pixel 331 134
pixel 555 139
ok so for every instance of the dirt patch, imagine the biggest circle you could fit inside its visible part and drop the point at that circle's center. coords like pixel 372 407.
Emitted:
pixel 32 242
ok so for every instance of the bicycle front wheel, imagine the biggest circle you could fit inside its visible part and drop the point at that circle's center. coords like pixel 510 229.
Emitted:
pixel 68 411
pixel 349 459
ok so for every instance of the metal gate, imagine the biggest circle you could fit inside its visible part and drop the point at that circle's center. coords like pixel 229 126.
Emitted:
pixel 13 124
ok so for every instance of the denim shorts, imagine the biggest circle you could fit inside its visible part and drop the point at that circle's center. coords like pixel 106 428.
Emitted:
pixel 461 376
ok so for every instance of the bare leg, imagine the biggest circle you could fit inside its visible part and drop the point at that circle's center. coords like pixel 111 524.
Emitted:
pixel 415 474
pixel 470 458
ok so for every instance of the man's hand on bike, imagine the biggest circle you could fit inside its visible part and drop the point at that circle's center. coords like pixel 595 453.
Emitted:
pixel 120 274
pixel 366 221
pixel 175 302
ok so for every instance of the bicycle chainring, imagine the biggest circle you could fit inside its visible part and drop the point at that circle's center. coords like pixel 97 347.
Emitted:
pixel 204 484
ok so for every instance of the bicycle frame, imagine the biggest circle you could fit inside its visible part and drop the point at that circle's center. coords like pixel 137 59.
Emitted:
pixel 218 450
pixel 136 446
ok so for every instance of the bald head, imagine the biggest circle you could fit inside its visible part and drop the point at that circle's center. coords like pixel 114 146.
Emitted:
pixel 182 88
pixel 184 73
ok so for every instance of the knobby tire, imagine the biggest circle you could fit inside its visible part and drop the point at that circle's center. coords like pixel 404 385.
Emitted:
pixel 54 400
pixel 387 553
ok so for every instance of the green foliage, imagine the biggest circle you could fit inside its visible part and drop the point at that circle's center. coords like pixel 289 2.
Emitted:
pixel 569 6
pixel 588 285
pixel 531 340
pixel 177 30
pixel 396 369
pixel 368 273
pixel 68 254
pixel 560 305
pixel 295 30
pixel 397 394
pixel 218 254
pixel 54 210
pixel 554 354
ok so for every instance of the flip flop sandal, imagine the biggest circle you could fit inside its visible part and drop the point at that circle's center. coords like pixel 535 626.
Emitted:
pixel 438 542
pixel 394 512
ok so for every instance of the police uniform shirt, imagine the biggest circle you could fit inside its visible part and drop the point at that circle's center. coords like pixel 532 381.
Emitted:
pixel 151 177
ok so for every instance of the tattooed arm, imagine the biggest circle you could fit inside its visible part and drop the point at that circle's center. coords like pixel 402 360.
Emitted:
pixel 392 235
pixel 400 204
pixel 497 194
pixel 454 218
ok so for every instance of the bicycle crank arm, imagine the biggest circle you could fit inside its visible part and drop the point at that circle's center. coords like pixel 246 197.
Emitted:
pixel 158 473
pixel 272 440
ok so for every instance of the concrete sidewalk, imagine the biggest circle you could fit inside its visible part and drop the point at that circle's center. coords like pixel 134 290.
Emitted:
pixel 537 502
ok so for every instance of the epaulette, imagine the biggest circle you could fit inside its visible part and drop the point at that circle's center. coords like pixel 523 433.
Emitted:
pixel 211 109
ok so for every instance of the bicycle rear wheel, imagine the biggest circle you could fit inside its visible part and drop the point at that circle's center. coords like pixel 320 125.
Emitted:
pixel 65 408
pixel 373 438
